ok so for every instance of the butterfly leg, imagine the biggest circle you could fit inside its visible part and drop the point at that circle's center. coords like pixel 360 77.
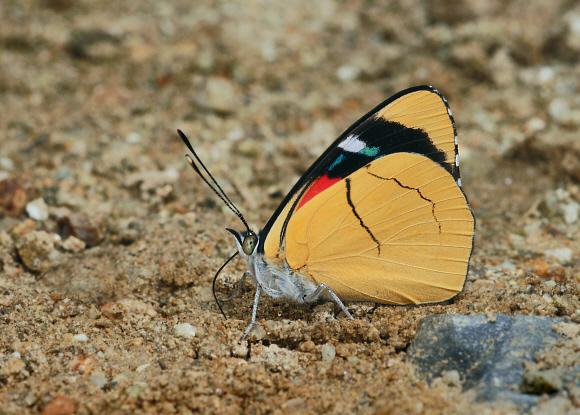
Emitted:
pixel 237 291
pixel 254 311
pixel 318 292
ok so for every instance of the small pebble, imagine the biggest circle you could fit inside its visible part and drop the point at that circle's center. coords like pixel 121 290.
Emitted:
pixel 184 331
pixel 59 212
pixel 535 124
pixel 98 379
pixel 189 218
pixel 220 95
pixel 451 378
pixel 121 377
pixel 12 196
pixel 240 350
pixel 269 51
pixel 517 240
pixel 79 225
pixel 13 366
pixel 249 147
pixel 559 110
pixel 60 405
pixel 73 244
pixel 64 173
pixel 34 249
pixel 133 138
pixel 30 399
pixel 81 337
pixel 6 163
pixel 236 134
pixel 562 254
pixel 148 180
pixel 328 352
pixel 93 313
pixel 532 228
pixel 571 211
pixel 347 73
pixel 67 198
pixel 542 381
pixel 142 367
pixel 507 265
pixel 37 209
pixel 546 74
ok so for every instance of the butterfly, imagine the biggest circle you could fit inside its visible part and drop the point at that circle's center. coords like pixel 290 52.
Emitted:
pixel 380 216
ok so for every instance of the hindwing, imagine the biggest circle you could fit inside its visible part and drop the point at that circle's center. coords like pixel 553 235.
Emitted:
pixel 398 230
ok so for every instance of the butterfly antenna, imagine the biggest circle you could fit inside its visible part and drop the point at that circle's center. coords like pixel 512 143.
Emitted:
pixel 215 279
pixel 217 189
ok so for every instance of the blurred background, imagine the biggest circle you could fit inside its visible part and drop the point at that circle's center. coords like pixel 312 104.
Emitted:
pixel 98 205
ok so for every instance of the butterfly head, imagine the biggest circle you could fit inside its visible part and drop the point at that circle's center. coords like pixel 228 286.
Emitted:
pixel 247 242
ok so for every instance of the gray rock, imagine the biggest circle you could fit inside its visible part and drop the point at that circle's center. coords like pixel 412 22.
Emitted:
pixel 489 354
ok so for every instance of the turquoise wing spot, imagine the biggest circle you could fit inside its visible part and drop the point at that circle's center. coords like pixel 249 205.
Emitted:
pixel 370 151
pixel 337 161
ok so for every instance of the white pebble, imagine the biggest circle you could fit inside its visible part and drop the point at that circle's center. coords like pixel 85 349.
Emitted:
pixel 571 212
pixel 98 379
pixel 133 138
pixel 507 265
pixel 6 163
pixel 143 367
pixel 562 254
pixel 347 73
pixel 532 228
pixel 221 95
pixel 545 74
pixel 535 124
pixel 236 134
pixel 269 51
pixel 574 23
pixel 73 244
pixel 184 331
pixel 37 209
pixel 559 109
pixel 81 337
pixel 328 352
pixel 452 378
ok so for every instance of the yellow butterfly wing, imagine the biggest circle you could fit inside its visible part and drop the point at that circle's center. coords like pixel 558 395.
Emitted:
pixel 418 108
pixel 396 231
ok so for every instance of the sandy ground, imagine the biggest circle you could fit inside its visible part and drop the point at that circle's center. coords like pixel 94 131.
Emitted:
pixel 91 94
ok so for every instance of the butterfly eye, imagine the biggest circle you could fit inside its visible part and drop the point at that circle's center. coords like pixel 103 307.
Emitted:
pixel 249 243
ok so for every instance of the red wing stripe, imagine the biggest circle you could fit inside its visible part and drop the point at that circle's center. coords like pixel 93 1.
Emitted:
pixel 321 184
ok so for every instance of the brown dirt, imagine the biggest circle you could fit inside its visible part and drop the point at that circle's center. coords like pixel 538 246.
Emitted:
pixel 91 94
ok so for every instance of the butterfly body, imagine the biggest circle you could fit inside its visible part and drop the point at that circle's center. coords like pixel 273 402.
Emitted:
pixel 276 278
pixel 380 216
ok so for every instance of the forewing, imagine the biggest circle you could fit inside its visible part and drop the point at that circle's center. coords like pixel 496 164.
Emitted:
pixel 416 120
